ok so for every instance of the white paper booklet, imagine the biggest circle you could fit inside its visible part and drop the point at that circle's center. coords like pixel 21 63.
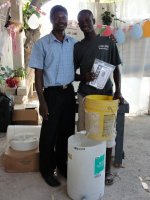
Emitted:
pixel 103 71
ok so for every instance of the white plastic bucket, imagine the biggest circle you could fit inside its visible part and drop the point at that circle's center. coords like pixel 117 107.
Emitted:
pixel 86 168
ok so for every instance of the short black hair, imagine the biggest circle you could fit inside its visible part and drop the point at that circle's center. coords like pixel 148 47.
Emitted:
pixel 57 8
pixel 85 11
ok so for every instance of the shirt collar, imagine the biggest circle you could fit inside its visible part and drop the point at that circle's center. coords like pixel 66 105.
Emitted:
pixel 52 38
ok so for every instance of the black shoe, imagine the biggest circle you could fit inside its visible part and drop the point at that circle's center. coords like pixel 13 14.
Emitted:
pixel 52 181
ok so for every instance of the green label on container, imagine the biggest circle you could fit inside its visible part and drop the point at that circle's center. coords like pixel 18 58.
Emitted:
pixel 99 165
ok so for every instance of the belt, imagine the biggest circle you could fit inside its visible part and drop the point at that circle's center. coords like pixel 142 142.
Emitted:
pixel 62 87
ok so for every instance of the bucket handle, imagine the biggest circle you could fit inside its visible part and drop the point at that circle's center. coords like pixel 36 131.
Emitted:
pixel 83 132
pixel 83 103
pixel 110 108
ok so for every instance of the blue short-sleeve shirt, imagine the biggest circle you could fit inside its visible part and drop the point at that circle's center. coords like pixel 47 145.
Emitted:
pixel 55 58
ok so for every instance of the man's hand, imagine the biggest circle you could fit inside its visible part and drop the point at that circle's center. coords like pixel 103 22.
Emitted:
pixel 43 110
pixel 88 76
pixel 118 95
pixel 112 37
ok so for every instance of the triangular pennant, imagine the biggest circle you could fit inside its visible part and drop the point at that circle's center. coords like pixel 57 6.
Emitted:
pixel 136 31
pixel 146 29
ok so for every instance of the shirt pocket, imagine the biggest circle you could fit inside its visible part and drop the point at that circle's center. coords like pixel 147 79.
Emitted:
pixel 49 57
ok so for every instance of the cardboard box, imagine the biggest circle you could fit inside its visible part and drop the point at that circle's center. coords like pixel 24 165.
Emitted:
pixel 25 117
pixel 21 161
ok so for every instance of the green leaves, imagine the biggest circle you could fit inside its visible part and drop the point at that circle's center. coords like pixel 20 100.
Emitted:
pixel 28 10
pixel 107 17
pixel 19 72
pixel 5 72
pixel 8 73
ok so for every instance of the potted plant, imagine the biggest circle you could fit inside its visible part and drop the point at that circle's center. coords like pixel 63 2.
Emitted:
pixel 107 18
pixel 19 74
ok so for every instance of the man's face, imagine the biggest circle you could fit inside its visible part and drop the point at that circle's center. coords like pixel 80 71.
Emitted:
pixel 86 22
pixel 59 21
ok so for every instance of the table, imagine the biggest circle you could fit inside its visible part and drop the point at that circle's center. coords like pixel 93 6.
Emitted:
pixel 119 153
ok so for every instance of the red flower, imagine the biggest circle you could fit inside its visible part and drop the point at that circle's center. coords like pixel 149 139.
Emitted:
pixel 12 82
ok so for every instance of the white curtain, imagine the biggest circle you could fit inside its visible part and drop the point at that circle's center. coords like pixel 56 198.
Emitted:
pixel 133 10
pixel 135 56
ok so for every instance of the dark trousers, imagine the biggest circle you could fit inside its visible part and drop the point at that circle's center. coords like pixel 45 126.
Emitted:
pixel 56 130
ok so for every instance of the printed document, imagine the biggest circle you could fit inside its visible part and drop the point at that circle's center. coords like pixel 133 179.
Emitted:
pixel 103 71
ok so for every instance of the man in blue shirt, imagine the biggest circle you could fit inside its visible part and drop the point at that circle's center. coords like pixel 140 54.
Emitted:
pixel 52 59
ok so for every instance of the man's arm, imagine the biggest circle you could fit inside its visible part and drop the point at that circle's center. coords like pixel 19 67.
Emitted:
pixel 76 63
pixel 84 78
pixel 87 77
pixel 43 109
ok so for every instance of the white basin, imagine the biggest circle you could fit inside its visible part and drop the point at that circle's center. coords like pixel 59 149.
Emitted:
pixel 24 142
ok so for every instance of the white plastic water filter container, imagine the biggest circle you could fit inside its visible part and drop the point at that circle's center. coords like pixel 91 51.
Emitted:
pixel 86 168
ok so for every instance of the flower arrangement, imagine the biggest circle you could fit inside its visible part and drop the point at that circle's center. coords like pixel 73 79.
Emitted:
pixel 9 76
pixel 12 82
pixel 19 72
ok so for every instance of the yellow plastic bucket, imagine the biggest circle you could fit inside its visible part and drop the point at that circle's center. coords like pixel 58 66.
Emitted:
pixel 100 117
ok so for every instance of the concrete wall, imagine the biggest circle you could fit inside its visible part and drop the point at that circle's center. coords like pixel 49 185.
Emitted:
pixel 6 55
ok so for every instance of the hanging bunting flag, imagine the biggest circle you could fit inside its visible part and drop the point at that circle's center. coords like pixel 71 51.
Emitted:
pixel 33 22
pixel 107 31
pixel 107 1
pixel 136 31
pixel 101 28
pixel 120 36
pixel 104 30
pixel 38 10
pixel 146 29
